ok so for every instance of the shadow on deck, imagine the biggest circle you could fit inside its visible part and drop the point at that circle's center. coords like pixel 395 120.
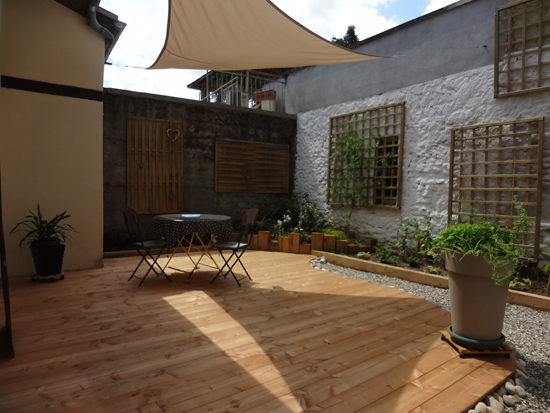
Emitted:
pixel 294 339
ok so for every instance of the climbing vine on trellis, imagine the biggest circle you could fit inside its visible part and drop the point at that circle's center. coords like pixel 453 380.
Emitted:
pixel 365 157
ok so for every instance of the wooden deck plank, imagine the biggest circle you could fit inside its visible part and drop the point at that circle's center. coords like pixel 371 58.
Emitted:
pixel 294 339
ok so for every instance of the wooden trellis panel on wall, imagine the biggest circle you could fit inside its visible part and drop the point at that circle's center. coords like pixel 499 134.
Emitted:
pixel 155 165
pixel 522 47
pixel 490 165
pixel 366 157
pixel 252 167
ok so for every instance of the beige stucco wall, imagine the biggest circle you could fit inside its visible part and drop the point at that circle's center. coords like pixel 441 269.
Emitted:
pixel 51 146
pixel 50 43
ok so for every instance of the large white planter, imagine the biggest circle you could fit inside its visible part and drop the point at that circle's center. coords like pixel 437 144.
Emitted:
pixel 477 303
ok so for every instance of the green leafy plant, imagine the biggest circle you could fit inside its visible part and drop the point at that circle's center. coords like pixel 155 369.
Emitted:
pixel 363 255
pixel 519 282
pixel 305 237
pixel 546 268
pixel 433 269
pixel 262 224
pixel 414 260
pixel 352 163
pixel 39 231
pixel 337 233
pixel 275 212
pixel 310 218
pixel 385 254
pixel 282 227
pixel 403 242
pixel 422 233
pixel 416 230
pixel 500 246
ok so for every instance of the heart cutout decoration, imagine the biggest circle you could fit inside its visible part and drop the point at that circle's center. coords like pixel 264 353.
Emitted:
pixel 173 134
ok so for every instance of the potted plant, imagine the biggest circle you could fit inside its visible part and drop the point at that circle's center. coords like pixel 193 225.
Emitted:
pixel 481 257
pixel 46 239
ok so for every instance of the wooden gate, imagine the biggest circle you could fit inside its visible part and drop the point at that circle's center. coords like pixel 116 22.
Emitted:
pixel 155 165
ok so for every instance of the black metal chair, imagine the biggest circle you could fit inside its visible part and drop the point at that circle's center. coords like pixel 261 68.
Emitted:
pixel 144 248
pixel 237 248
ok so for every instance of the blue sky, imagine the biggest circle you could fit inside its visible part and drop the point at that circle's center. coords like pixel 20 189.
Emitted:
pixel 143 38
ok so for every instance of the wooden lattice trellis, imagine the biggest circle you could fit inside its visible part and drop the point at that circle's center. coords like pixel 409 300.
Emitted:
pixel 522 47
pixel 491 165
pixel 365 157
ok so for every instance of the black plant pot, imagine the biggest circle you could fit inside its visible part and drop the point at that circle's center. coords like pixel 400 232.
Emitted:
pixel 48 259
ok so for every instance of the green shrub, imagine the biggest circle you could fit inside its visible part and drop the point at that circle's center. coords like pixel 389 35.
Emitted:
pixel 337 233
pixel 363 255
pixel 500 246
pixel 413 260
pixel 385 253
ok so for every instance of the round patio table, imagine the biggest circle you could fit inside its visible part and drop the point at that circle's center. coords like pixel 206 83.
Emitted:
pixel 181 230
pixel 173 227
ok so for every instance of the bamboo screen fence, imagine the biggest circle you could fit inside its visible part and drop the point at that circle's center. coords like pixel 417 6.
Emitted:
pixel 522 47
pixel 252 167
pixel 154 165
pixel 366 156
pixel 491 165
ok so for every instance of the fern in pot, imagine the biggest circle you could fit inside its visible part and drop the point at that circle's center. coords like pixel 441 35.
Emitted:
pixel 481 258
pixel 46 239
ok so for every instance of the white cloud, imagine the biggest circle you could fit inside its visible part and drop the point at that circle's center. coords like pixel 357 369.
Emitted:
pixel 139 46
pixel 143 37
pixel 331 18
pixel 167 82
pixel 437 4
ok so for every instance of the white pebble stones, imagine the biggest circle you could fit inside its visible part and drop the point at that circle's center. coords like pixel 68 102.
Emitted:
pixel 318 262
pixel 511 392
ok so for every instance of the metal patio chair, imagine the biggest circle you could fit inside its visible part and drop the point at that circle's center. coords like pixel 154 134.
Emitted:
pixel 144 248
pixel 236 248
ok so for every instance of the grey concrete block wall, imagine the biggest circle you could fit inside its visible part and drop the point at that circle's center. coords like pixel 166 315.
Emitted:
pixel 202 125
pixel 454 39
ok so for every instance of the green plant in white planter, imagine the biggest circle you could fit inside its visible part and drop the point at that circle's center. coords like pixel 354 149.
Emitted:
pixel 481 258
pixel 46 239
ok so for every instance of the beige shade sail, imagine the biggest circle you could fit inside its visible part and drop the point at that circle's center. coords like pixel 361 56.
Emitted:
pixel 242 35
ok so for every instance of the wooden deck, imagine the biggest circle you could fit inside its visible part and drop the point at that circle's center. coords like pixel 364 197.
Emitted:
pixel 295 339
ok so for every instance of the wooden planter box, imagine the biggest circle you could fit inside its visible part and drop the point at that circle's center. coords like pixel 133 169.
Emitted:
pixel 305 249
pixel 371 243
pixel 342 246
pixel 354 249
pixel 317 241
pixel 294 243
pixel 329 243
pixel 273 246
pixel 283 244
pixel 263 240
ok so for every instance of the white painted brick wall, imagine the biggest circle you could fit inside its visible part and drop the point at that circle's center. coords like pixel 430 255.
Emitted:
pixel 432 109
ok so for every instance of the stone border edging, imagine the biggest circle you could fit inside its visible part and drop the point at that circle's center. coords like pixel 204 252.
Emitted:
pixel 535 301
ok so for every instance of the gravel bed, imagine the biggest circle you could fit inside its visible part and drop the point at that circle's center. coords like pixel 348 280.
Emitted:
pixel 527 329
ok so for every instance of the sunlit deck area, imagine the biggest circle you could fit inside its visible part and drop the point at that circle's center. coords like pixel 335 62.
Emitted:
pixel 295 339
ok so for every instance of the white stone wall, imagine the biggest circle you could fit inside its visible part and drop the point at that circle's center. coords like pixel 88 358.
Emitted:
pixel 432 110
